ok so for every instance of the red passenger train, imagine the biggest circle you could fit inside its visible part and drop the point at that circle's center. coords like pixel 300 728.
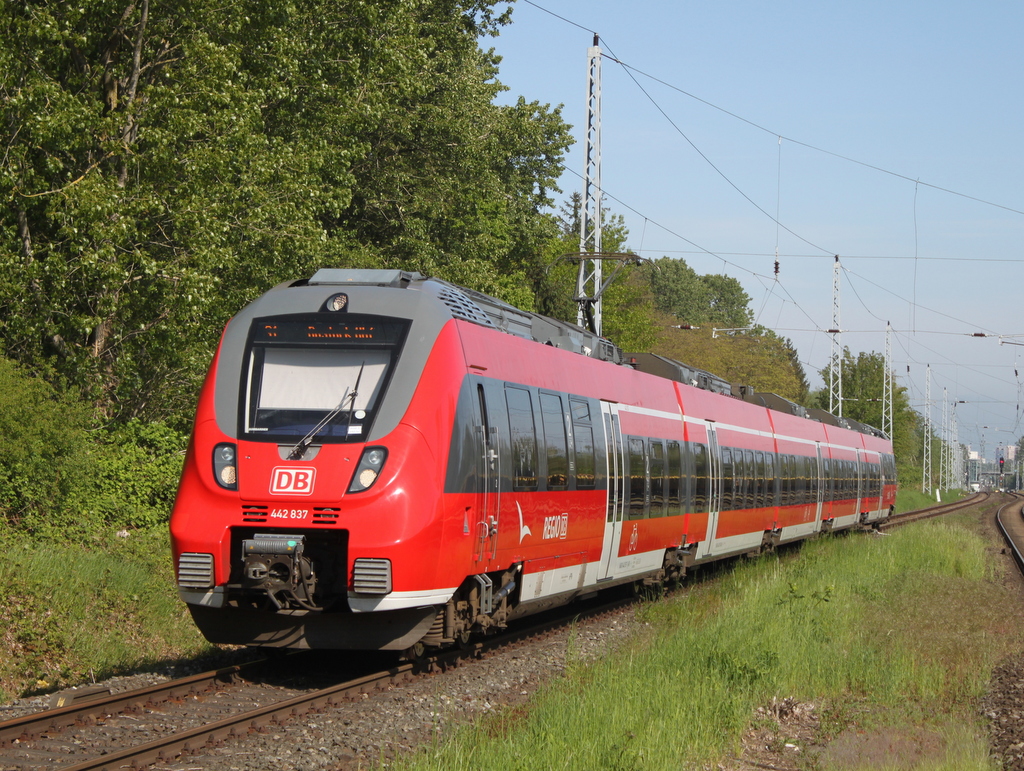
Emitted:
pixel 386 461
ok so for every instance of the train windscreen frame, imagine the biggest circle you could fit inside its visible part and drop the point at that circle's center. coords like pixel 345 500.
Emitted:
pixel 303 370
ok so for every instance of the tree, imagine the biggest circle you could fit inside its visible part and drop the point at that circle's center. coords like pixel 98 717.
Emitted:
pixel 164 164
pixel 862 401
pixel 758 358
pixel 626 304
pixel 695 299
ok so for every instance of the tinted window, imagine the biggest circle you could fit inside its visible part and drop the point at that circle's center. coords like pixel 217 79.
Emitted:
pixel 727 480
pixel 700 477
pixel 583 435
pixel 675 480
pixel 637 478
pixel 524 439
pixel 554 440
pixel 657 474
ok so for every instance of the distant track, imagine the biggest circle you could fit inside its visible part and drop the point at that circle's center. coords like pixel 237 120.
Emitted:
pixel 897 520
pixel 1010 521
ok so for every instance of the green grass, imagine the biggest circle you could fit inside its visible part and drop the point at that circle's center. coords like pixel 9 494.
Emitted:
pixel 73 612
pixel 854 621
pixel 914 499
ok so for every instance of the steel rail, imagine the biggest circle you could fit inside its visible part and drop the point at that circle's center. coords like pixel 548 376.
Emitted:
pixel 173 745
pixel 937 510
pixel 29 727
pixel 1017 556
pixel 170 747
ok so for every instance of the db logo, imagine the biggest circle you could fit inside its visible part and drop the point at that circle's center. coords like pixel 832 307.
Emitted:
pixel 292 481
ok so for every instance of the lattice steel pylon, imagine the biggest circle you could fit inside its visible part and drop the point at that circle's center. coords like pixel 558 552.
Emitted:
pixel 887 384
pixel 835 366
pixel 956 458
pixel 926 454
pixel 944 444
pixel 588 282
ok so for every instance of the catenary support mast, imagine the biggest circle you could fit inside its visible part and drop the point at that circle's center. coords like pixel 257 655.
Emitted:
pixel 926 455
pixel 588 283
pixel 835 367
pixel 887 384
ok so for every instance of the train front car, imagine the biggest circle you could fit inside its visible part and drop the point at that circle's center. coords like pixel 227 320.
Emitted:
pixel 308 513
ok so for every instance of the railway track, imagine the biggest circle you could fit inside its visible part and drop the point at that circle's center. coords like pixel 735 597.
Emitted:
pixel 897 520
pixel 1010 521
pixel 159 723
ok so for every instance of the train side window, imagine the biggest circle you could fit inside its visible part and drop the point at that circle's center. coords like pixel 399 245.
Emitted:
pixel 657 475
pixel 580 410
pixel 675 480
pixel 793 471
pixel 785 478
pixel 741 473
pixel 553 420
pixel 584 456
pixel 829 479
pixel 760 495
pixel 524 439
pixel 727 480
pixel 637 478
pixel 700 477
pixel 583 434
pixel 752 478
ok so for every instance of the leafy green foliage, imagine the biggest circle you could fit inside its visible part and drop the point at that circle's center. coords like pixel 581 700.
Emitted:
pixel 136 474
pixel 757 357
pixel 62 481
pixel 45 447
pixel 166 163
pixel 862 400
pixel 698 300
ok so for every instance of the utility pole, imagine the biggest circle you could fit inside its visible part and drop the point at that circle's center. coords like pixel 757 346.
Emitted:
pixel 955 457
pixel 926 455
pixel 588 282
pixel 835 370
pixel 944 444
pixel 887 384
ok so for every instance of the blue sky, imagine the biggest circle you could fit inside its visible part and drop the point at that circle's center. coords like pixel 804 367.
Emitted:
pixel 900 152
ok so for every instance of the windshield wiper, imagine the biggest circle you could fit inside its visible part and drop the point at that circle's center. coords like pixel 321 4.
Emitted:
pixel 349 396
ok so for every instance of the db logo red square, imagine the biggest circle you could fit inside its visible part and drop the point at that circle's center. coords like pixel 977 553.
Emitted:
pixel 285 480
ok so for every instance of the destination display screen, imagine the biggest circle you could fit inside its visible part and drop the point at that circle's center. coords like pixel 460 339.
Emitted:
pixel 351 330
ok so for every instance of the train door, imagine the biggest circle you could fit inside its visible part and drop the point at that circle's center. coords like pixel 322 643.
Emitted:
pixel 714 492
pixel 617 494
pixel 820 482
pixel 490 477
pixel 861 493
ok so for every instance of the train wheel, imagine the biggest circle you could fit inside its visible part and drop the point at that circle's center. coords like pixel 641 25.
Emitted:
pixel 648 592
pixel 415 652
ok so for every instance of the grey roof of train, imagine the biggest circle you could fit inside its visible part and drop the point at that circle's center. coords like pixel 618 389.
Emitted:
pixel 479 308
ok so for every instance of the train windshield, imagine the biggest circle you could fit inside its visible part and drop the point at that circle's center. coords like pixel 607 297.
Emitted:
pixel 303 372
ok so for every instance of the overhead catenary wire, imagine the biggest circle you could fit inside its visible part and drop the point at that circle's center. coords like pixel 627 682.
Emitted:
pixel 772 286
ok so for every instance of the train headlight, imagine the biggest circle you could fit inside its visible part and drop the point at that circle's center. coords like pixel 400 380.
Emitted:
pixel 225 469
pixel 369 469
pixel 336 303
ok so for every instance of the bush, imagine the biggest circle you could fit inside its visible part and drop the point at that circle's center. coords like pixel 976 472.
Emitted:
pixel 60 480
pixel 136 475
pixel 45 446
